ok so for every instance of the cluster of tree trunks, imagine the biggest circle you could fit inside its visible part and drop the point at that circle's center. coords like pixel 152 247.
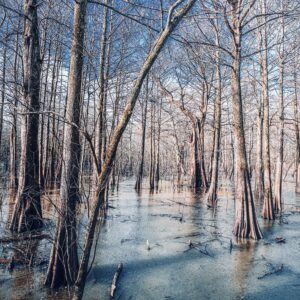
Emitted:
pixel 45 163
pixel 173 20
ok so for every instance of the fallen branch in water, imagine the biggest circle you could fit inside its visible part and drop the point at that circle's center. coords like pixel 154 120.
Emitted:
pixel 203 251
pixel 274 271
pixel 10 239
pixel 280 239
pixel 115 280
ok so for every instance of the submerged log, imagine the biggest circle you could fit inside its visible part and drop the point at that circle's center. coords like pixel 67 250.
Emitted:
pixel 279 239
pixel 274 271
pixel 115 280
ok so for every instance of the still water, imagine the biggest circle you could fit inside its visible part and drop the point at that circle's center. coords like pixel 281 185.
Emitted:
pixel 215 267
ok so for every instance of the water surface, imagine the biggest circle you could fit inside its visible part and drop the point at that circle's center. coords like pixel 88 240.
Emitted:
pixel 215 267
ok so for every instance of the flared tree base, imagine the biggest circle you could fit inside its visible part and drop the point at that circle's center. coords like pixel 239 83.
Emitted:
pixel 63 264
pixel 27 215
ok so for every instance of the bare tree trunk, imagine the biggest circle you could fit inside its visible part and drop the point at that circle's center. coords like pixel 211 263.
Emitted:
pixel 268 206
pixel 250 152
pixel 140 174
pixel 100 116
pixel 200 125
pixel 279 164
pixel 157 160
pixel 43 116
pixel 213 188
pixel 3 91
pixel 53 149
pixel 180 157
pixel 246 224
pixel 13 178
pixel 152 148
pixel 49 144
pixel 259 164
pixel 196 180
pixel 230 162
pixel 63 264
pixel 297 136
pixel 115 174
pixel 27 213
pixel 201 158
pixel 211 159
pixel 172 22
pixel 197 166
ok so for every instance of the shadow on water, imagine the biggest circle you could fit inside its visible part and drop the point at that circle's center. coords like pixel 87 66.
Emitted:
pixel 192 254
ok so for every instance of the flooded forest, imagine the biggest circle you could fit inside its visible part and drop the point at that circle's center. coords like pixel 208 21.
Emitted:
pixel 149 149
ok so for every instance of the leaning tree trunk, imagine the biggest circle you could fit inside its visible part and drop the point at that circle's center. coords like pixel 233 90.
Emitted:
pixel 172 22
pixel 27 213
pixel 268 206
pixel 213 188
pixel 246 224
pixel 63 264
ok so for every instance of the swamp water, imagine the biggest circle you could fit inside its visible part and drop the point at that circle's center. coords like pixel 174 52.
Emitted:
pixel 215 266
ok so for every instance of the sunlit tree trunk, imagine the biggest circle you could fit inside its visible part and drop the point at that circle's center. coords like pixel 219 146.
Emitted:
pixel 213 188
pixel 140 174
pixel 297 136
pixel 179 156
pixel 279 164
pixel 157 160
pixel 152 148
pixel 63 264
pixel 268 206
pixel 101 113
pixel 196 180
pixel 246 224
pixel 3 91
pixel 43 116
pixel 12 177
pixel 259 163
